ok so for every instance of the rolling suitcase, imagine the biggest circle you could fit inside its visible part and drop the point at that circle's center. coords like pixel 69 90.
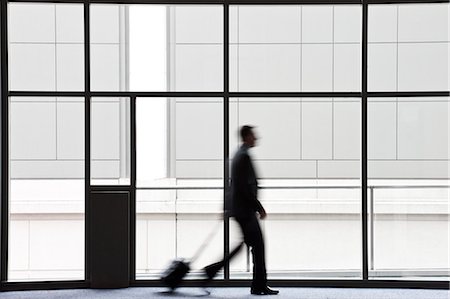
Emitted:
pixel 178 268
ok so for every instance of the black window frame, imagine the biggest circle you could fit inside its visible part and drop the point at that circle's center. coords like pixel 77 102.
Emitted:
pixel 225 94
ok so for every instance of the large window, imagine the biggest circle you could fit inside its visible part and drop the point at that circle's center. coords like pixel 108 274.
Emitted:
pixel 350 103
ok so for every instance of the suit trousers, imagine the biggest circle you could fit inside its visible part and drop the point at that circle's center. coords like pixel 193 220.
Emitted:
pixel 254 239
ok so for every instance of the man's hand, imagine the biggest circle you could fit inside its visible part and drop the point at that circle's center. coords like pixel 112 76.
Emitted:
pixel 262 214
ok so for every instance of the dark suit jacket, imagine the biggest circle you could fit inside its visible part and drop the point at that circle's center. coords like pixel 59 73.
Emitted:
pixel 244 186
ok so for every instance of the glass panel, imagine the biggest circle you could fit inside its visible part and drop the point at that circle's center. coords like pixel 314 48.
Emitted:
pixel 156 48
pixel 46 228
pixel 315 48
pixel 110 141
pixel 46 53
pixel 408 47
pixel 179 146
pixel 409 188
pixel 308 164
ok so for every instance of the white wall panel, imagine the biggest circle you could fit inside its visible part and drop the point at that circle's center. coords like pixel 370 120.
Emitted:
pixel 199 169
pixel 305 249
pixel 105 169
pixel 105 130
pixel 199 68
pixel 277 127
pixel 317 67
pixel 347 23
pixel 105 67
pixel 161 242
pixel 42 29
pixel 104 23
pixel 317 23
pixel 382 67
pixel 70 23
pixel 317 130
pixel 70 130
pixel 402 244
pixel 382 23
pixel 199 24
pixel 347 67
pixel 286 169
pixel 70 67
pixel 339 169
pixel 57 244
pixel 269 68
pixel 382 130
pixel 142 249
pixel 423 22
pixel 187 242
pixel 32 67
pixel 408 169
pixel 33 130
pixel 423 130
pixel 269 24
pixel 347 130
pixel 18 257
pixel 423 67
pixel 47 169
pixel 199 130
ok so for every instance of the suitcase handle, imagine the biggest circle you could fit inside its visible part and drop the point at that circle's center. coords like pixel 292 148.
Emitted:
pixel 205 242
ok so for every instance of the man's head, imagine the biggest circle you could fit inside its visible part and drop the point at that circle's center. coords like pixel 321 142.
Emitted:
pixel 248 136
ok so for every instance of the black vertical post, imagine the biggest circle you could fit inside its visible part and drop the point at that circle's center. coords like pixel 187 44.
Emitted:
pixel 87 140
pixel 365 256
pixel 5 131
pixel 226 100
pixel 133 190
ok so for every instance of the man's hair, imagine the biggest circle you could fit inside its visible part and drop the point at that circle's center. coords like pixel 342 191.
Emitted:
pixel 246 131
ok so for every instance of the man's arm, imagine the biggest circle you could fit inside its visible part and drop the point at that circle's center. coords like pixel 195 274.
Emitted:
pixel 246 187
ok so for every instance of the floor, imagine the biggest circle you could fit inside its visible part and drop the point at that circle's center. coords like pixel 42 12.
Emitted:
pixel 231 293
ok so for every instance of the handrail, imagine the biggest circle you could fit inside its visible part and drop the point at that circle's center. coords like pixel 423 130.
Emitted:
pixel 298 187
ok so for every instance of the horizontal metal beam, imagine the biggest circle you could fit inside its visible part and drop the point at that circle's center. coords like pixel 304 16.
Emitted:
pixel 238 2
pixel 298 187
pixel 200 94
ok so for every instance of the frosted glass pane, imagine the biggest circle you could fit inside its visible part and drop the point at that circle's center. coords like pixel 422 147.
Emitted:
pixel 423 22
pixel 347 67
pixel 105 23
pixel 31 22
pixel 382 126
pixel 382 67
pixel 260 66
pixel 29 140
pixel 317 67
pixel 382 23
pixel 110 141
pixel 269 24
pixel 198 24
pixel 317 130
pixel 46 190
pixel 156 48
pixel 70 23
pixel 317 24
pixel 423 66
pixel 70 139
pixel 409 161
pixel 32 67
pixel 179 141
pixel 269 128
pixel 70 67
pixel 347 23
pixel 198 67
pixel 105 68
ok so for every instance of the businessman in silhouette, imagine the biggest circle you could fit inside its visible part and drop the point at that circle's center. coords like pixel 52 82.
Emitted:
pixel 245 208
